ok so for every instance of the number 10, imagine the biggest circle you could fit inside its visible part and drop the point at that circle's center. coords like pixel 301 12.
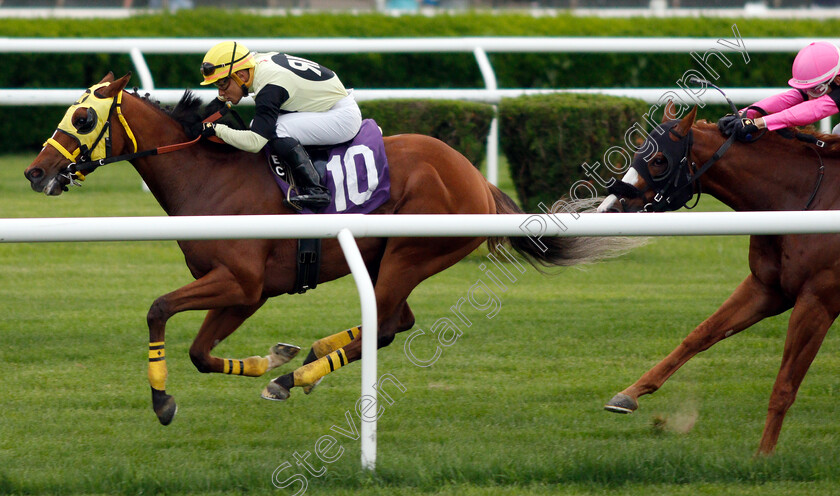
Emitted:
pixel 338 167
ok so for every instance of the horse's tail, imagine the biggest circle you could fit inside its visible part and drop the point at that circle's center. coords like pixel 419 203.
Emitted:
pixel 560 251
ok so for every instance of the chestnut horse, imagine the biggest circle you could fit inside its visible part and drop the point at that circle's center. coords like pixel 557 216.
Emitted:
pixel 233 278
pixel 798 271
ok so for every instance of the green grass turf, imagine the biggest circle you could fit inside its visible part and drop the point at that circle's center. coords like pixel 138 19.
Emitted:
pixel 513 407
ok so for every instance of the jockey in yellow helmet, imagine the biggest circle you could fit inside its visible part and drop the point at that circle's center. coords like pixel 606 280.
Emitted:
pixel 298 102
pixel 224 61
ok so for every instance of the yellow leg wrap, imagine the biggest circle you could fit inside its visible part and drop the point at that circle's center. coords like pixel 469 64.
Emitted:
pixel 157 366
pixel 254 366
pixel 334 342
pixel 310 373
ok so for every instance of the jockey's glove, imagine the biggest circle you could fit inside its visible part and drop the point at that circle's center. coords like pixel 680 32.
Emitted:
pixel 746 130
pixel 727 124
pixel 202 129
pixel 208 129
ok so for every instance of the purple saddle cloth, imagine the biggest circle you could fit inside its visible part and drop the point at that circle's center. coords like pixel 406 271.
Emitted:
pixel 356 174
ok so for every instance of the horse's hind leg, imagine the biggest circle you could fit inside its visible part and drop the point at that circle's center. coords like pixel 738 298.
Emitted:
pixel 327 345
pixel 405 264
pixel 312 372
pixel 751 302
pixel 219 324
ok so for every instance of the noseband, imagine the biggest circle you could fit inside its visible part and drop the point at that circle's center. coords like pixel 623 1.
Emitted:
pixel 674 187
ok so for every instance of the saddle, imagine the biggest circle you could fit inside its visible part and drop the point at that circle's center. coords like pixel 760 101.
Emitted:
pixel 355 173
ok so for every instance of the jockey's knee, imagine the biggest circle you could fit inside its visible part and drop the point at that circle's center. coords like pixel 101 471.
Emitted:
pixel 283 146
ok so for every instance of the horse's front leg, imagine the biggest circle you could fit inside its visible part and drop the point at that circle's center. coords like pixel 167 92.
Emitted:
pixel 751 302
pixel 218 325
pixel 218 288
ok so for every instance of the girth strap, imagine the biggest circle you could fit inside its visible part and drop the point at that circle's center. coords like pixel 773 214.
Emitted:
pixel 308 265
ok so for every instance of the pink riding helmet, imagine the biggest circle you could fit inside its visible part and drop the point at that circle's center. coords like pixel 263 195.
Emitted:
pixel 815 64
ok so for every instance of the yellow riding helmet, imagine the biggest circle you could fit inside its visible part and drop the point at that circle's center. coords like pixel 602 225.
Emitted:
pixel 223 60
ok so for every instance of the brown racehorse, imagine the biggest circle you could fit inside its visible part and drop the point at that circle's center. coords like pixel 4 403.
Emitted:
pixel 798 271
pixel 234 278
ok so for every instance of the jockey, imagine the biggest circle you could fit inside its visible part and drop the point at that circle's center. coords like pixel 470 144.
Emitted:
pixel 298 102
pixel 815 95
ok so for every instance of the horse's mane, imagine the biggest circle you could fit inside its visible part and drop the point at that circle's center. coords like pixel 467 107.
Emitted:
pixel 188 112
pixel 832 141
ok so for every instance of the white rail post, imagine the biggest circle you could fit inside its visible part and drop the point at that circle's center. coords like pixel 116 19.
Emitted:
pixel 146 81
pixel 368 400
pixel 490 83
pixel 143 71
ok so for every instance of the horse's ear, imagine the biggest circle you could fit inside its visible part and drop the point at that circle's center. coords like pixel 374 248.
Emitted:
pixel 670 112
pixel 115 87
pixel 108 78
pixel 685 124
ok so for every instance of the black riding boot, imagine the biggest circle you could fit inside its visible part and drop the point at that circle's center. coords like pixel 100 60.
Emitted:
pixel 311 194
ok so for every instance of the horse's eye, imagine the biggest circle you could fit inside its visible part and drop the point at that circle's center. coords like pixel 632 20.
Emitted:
pixel 660 162
pixel 84 120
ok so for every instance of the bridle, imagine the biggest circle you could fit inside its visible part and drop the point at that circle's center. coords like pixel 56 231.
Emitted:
pixel 677 184
pixel 81 162
pixel 675 187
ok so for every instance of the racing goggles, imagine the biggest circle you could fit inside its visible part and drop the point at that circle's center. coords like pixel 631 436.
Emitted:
pixel 818 90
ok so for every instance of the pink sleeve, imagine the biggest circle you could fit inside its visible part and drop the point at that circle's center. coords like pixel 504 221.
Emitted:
pixel 776 103
pixel 803 114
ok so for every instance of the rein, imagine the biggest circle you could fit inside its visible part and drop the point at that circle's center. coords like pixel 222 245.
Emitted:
pixel 709 163
pixel 818 143
pixel 820 175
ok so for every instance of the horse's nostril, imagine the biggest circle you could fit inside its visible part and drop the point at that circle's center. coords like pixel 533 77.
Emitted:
pixel 34 173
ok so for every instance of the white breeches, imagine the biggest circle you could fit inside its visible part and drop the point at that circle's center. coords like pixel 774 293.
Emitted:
pixel 336 125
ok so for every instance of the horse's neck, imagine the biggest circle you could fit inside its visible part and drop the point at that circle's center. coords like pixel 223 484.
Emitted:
pixel 192 181
pixel 752 177
pixel 164 175
pixel 167 186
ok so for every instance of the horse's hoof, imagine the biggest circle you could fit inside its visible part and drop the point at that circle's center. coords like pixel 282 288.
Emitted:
pixel 308 389
pixel 621 403
pixel 275 392
pixel 164 406
pixel 281 353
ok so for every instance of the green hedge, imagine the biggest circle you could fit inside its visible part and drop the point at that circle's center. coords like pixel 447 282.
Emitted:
pixel 412 70
pixel 547 139
pixel 462 125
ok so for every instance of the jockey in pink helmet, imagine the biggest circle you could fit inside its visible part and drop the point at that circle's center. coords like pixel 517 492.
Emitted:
pixel 815 95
